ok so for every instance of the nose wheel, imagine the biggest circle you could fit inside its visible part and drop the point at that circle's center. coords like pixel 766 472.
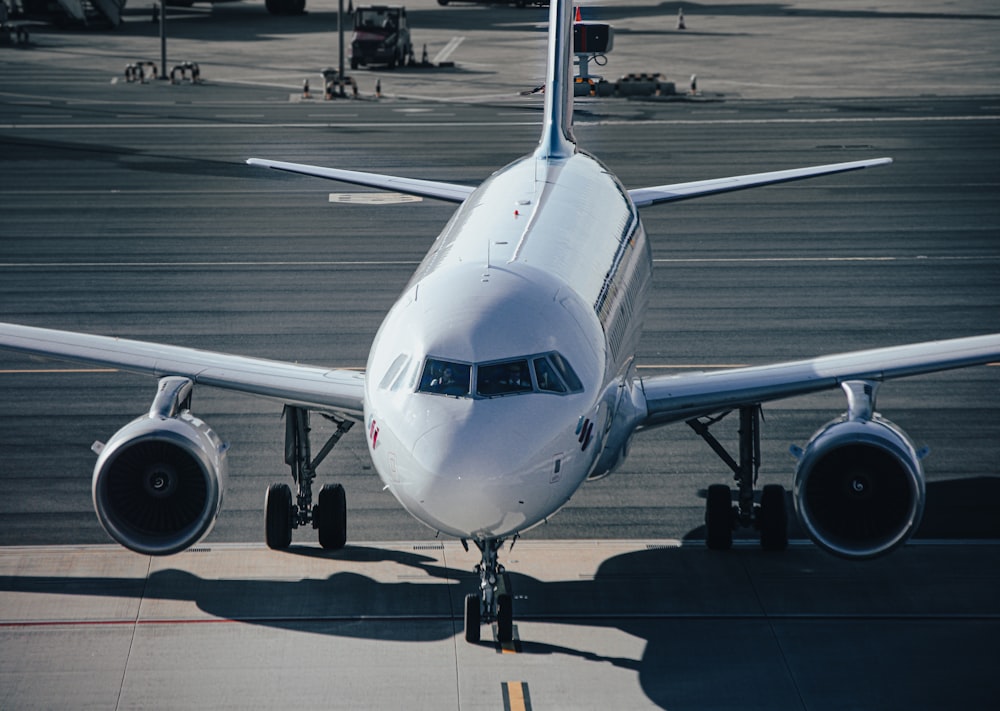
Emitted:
pixel 493 602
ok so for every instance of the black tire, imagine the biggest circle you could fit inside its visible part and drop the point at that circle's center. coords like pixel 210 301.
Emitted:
pixel 278 516
pixel 772 519
pixel 331 517
pixel 472 620
pixel 505 618
pixel 719 518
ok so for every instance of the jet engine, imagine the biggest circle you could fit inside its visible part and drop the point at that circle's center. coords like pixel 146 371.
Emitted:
pixel 859 487
pixel 159 480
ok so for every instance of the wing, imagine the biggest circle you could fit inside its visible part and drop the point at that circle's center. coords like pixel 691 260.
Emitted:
pixel 670 398
pixel 449 192
pixel 685 191
pixel 335 391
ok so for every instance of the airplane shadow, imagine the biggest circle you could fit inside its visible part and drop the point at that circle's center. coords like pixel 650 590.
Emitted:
pixel 701 614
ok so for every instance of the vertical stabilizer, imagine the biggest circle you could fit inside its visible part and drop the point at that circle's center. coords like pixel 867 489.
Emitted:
pixel 557 131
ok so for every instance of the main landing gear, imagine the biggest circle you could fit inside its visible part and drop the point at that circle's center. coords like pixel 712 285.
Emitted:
pixel 493 602
pixel 770 516
pixel 281 514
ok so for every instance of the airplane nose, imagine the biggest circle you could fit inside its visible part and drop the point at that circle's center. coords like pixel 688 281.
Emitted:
pixel 489 474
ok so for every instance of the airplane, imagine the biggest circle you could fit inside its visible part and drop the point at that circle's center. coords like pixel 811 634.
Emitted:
pixel 504 377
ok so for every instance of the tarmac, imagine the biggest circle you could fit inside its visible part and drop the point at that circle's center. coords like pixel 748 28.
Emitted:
pixel 127 209
pixel 600 624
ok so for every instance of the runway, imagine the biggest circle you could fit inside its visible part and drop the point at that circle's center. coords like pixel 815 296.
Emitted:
pixel 127 210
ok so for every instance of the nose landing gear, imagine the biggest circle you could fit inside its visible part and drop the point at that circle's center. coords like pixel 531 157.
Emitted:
pixel 493 602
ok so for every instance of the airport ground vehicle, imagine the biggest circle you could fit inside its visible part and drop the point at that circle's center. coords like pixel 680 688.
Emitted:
pixel 381 36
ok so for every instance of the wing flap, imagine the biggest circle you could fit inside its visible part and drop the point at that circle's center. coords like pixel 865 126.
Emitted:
pixel 338 391
pixel 643 197
pixel 449 192
pixel 670 398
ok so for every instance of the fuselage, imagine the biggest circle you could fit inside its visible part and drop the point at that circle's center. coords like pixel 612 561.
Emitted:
pixel 494 382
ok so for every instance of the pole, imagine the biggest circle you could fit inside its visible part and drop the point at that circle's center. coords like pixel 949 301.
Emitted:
pixel 340 30
pixel 163 39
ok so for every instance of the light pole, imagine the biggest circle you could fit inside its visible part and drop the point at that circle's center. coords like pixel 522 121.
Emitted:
pixel 163 39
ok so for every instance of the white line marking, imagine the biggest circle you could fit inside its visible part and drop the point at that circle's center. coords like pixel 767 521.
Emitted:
pixel 489 124
pixel 373 198
pixel 447 50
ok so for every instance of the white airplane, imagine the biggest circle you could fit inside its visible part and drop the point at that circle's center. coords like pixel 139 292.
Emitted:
pixel 504 377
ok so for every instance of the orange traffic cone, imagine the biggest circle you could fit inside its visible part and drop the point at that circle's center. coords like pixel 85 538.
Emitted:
pixel 680 19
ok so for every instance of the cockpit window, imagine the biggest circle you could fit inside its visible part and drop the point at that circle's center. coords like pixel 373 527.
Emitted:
pixel 566 371
pixel 392 375
pixel 548 381
pixel 506 378
pixel 445 377
pixel 545 373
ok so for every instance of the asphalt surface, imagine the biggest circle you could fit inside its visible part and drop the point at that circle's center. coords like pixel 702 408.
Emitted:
pixel 126 209
pixel 141 220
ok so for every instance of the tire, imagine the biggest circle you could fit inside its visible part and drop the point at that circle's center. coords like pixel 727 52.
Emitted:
pixel 331 517
pixel 719 518
pixel 772 518
pixel 472 620
pixel 278 516
pixel 505 618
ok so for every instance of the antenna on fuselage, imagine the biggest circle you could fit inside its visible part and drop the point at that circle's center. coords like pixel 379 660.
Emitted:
pixel 557 139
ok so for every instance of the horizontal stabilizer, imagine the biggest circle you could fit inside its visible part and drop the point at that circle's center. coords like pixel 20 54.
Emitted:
pixel 685 191
pixel 449 192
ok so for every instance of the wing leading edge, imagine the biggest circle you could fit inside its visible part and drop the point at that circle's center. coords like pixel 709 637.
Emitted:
pixel 324 389
pixel 670 398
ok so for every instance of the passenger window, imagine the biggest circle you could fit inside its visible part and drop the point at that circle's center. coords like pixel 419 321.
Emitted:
pixel 546 377
pixel 506 378
pixel 445 377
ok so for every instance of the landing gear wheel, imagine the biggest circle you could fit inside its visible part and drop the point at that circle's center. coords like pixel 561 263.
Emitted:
pixel 472 621
pixel 331 517
pixel 278 516
pixel 719 518
pixel 505 618
pixel 772 518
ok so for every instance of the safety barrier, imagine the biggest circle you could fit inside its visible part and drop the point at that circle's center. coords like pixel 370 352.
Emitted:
pixel 136 71
pixel 644 84
pixel 186 71
pixel 17 35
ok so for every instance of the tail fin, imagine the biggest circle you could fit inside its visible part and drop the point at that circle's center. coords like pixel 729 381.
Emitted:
pixel 557 130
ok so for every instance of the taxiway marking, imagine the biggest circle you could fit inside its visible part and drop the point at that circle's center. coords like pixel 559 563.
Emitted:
pixel 515 696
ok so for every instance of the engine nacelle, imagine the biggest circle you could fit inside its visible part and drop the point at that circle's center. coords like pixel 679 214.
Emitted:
pixel 158 483
pixel 859 487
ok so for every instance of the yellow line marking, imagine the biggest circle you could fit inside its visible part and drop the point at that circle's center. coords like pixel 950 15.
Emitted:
pixel 515 696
